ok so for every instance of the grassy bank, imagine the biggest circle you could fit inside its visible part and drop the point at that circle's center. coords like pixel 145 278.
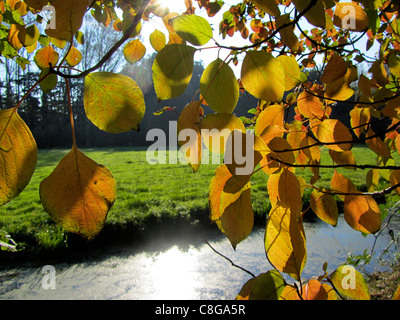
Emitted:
pixel 148 195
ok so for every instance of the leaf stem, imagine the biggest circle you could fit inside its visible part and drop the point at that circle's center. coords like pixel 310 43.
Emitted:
pixel 71 114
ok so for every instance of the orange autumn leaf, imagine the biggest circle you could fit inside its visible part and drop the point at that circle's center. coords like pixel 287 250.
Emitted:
pixel 324 206
pixel 78 194
pixel 332 131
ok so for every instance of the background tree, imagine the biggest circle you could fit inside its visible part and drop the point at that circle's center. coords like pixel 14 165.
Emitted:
pixel 296 115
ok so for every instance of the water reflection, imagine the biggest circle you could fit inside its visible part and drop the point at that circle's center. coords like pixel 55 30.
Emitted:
pixel 185 269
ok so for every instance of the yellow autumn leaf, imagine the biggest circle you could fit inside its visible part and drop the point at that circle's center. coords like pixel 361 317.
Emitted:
pixel 263 76
pixel 69 18
pixel 243 153
pixel 134 51
pixel 45 57
pixel 113 102
pixel 74 57
pixel 285 242
pixel 18 152
pixel 78 194
pixel 217 184
pixel 358 118
pixel 189 135
pixel 372 179
pixel 271 115
pixel 324 206
pixel 157 40
pixel 216 128
pixel 15 34
pixel 238 219
pixel 266 286
pixel 219 87
pixel 396 295
pixel 287 33
pixel 292 71
pixel 350 283
pixel 268 6
pixel 172 70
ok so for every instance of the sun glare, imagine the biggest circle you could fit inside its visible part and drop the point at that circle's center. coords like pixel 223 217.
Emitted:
pixel 177 6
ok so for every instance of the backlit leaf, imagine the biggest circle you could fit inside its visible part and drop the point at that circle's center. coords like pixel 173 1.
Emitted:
pixel 350 283
pixel 343 157
pixel 325 207
pixel 69 18
pixel 215 129
pixel 18 152
pixel 266 286
pixel 362 213
pixel 395 179
pixel 172 70
pixel 331 131
pixel 113 102
pixel 315 15
pixel 193 28
pixel 268 6
pixel 350 16
pixel 291 70
pixel 74 57
pixel 189 136
pixel 287 34
pixel 359 117
pixel 238 219
pixel 285 243
pixel 263 76
pixel 45 57
pixel 157 40
pixel 244 152
pixel 310 106
pixel 339 183
pixel 271 115
pixel 30 36
pixel 78 194
pixel 377 145
pixel 334 70
pixel 134 51
pixel 15 34
pixel 219 87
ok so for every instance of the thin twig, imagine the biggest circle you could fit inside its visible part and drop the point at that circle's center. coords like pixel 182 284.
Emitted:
pixel 232 263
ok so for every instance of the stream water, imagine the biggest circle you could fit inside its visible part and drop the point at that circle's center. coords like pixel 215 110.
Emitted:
pixel 180 269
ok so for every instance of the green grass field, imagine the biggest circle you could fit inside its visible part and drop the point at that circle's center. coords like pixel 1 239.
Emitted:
pixel 146 194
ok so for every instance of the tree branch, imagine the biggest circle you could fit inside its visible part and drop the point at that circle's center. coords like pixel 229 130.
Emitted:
pixel 114 48
pixel 296 19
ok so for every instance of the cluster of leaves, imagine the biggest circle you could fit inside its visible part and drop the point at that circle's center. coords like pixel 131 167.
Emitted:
pixel 79 193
